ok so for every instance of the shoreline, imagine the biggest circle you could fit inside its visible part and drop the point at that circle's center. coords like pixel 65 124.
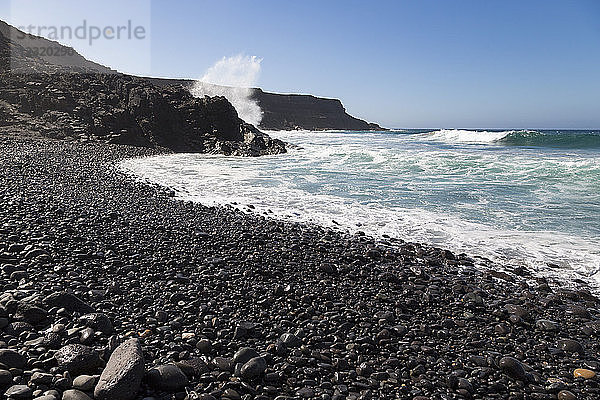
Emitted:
pixel 332 315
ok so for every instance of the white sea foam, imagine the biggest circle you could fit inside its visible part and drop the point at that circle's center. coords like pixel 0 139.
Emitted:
pixel 233 78
pixel 466 136
pixel 395 185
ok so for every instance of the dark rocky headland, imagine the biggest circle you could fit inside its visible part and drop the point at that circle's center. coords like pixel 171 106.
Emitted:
pixel 111 289
pixel 71 98
pixel 280 111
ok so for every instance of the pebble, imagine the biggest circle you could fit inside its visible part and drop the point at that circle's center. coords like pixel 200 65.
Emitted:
pixel 566 395
pixel 73 394
pixel 5 378
pixel 513 368
pixel 12 358
pixel 244 354
pixel 77 359
pixel 168 378
pixel 584 373
pixel 254 368
pixel 98 322
pixel 571 346
pixel 547 325
pixel 18 392
pixel 290 340
pixel 84 383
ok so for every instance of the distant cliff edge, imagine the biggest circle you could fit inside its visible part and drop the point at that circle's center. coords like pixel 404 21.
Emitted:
pixel 299 111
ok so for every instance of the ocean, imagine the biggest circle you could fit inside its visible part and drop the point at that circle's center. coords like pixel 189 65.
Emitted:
pixel 527 198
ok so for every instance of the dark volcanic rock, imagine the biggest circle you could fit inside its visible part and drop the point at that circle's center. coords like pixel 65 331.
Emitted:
pixel 74 394
pixel 571 346
pixel 411 322
pixel 293 111
pixel 168 378
pixel 69 302
pixel 193 367
pixel 12 358
pixel 254 368
pixel 122 377
pixel 513 368
pixel 30 314
pixel 78 359
pixel 98 322
pixel 290 340
pixel 71 100
pixel 244 354
pixel 18 392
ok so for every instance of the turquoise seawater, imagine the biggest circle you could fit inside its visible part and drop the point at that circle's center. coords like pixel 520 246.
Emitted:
pixel 520 197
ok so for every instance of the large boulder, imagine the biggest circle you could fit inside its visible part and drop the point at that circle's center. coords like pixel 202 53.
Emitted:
pixel 122 377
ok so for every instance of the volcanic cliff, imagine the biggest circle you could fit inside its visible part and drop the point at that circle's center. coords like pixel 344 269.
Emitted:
pixel 78 99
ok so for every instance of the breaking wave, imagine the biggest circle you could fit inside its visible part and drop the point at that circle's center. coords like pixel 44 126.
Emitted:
pixel 528 138
pixel 233 78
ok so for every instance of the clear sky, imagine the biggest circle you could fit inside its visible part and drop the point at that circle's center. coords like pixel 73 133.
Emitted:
pixel 469 64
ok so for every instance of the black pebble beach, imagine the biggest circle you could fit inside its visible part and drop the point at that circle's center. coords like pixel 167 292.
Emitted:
pixel 112 289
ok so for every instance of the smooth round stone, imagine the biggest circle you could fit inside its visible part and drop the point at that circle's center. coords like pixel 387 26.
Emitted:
pixel 306 392
pixel 254 368
pixel 168 378
pixel 84 382
pixel 584 373
pixel 73 394
pixel 566 395
pixel 188 335
pixel 546 325
pixel 231 394
pixel 516 310
pixel 502 329
pixel 40 378
pixel 290 340
pixel 98 322
pixel 244 355
pixel 5 378
pixel 204 346
pixel 12 359
pixel 19 392
pixel 570 346
pixel 513 368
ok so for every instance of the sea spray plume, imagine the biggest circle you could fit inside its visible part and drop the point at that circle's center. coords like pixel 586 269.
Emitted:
pixel 233 78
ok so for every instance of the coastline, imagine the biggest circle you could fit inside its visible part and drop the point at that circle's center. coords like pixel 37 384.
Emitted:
pixel 367 319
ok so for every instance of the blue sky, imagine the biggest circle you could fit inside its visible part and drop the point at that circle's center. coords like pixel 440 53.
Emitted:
pixel 469 64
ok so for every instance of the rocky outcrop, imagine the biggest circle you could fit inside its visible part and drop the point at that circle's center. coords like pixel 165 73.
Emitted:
pixel 294 111
pixel 85 103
